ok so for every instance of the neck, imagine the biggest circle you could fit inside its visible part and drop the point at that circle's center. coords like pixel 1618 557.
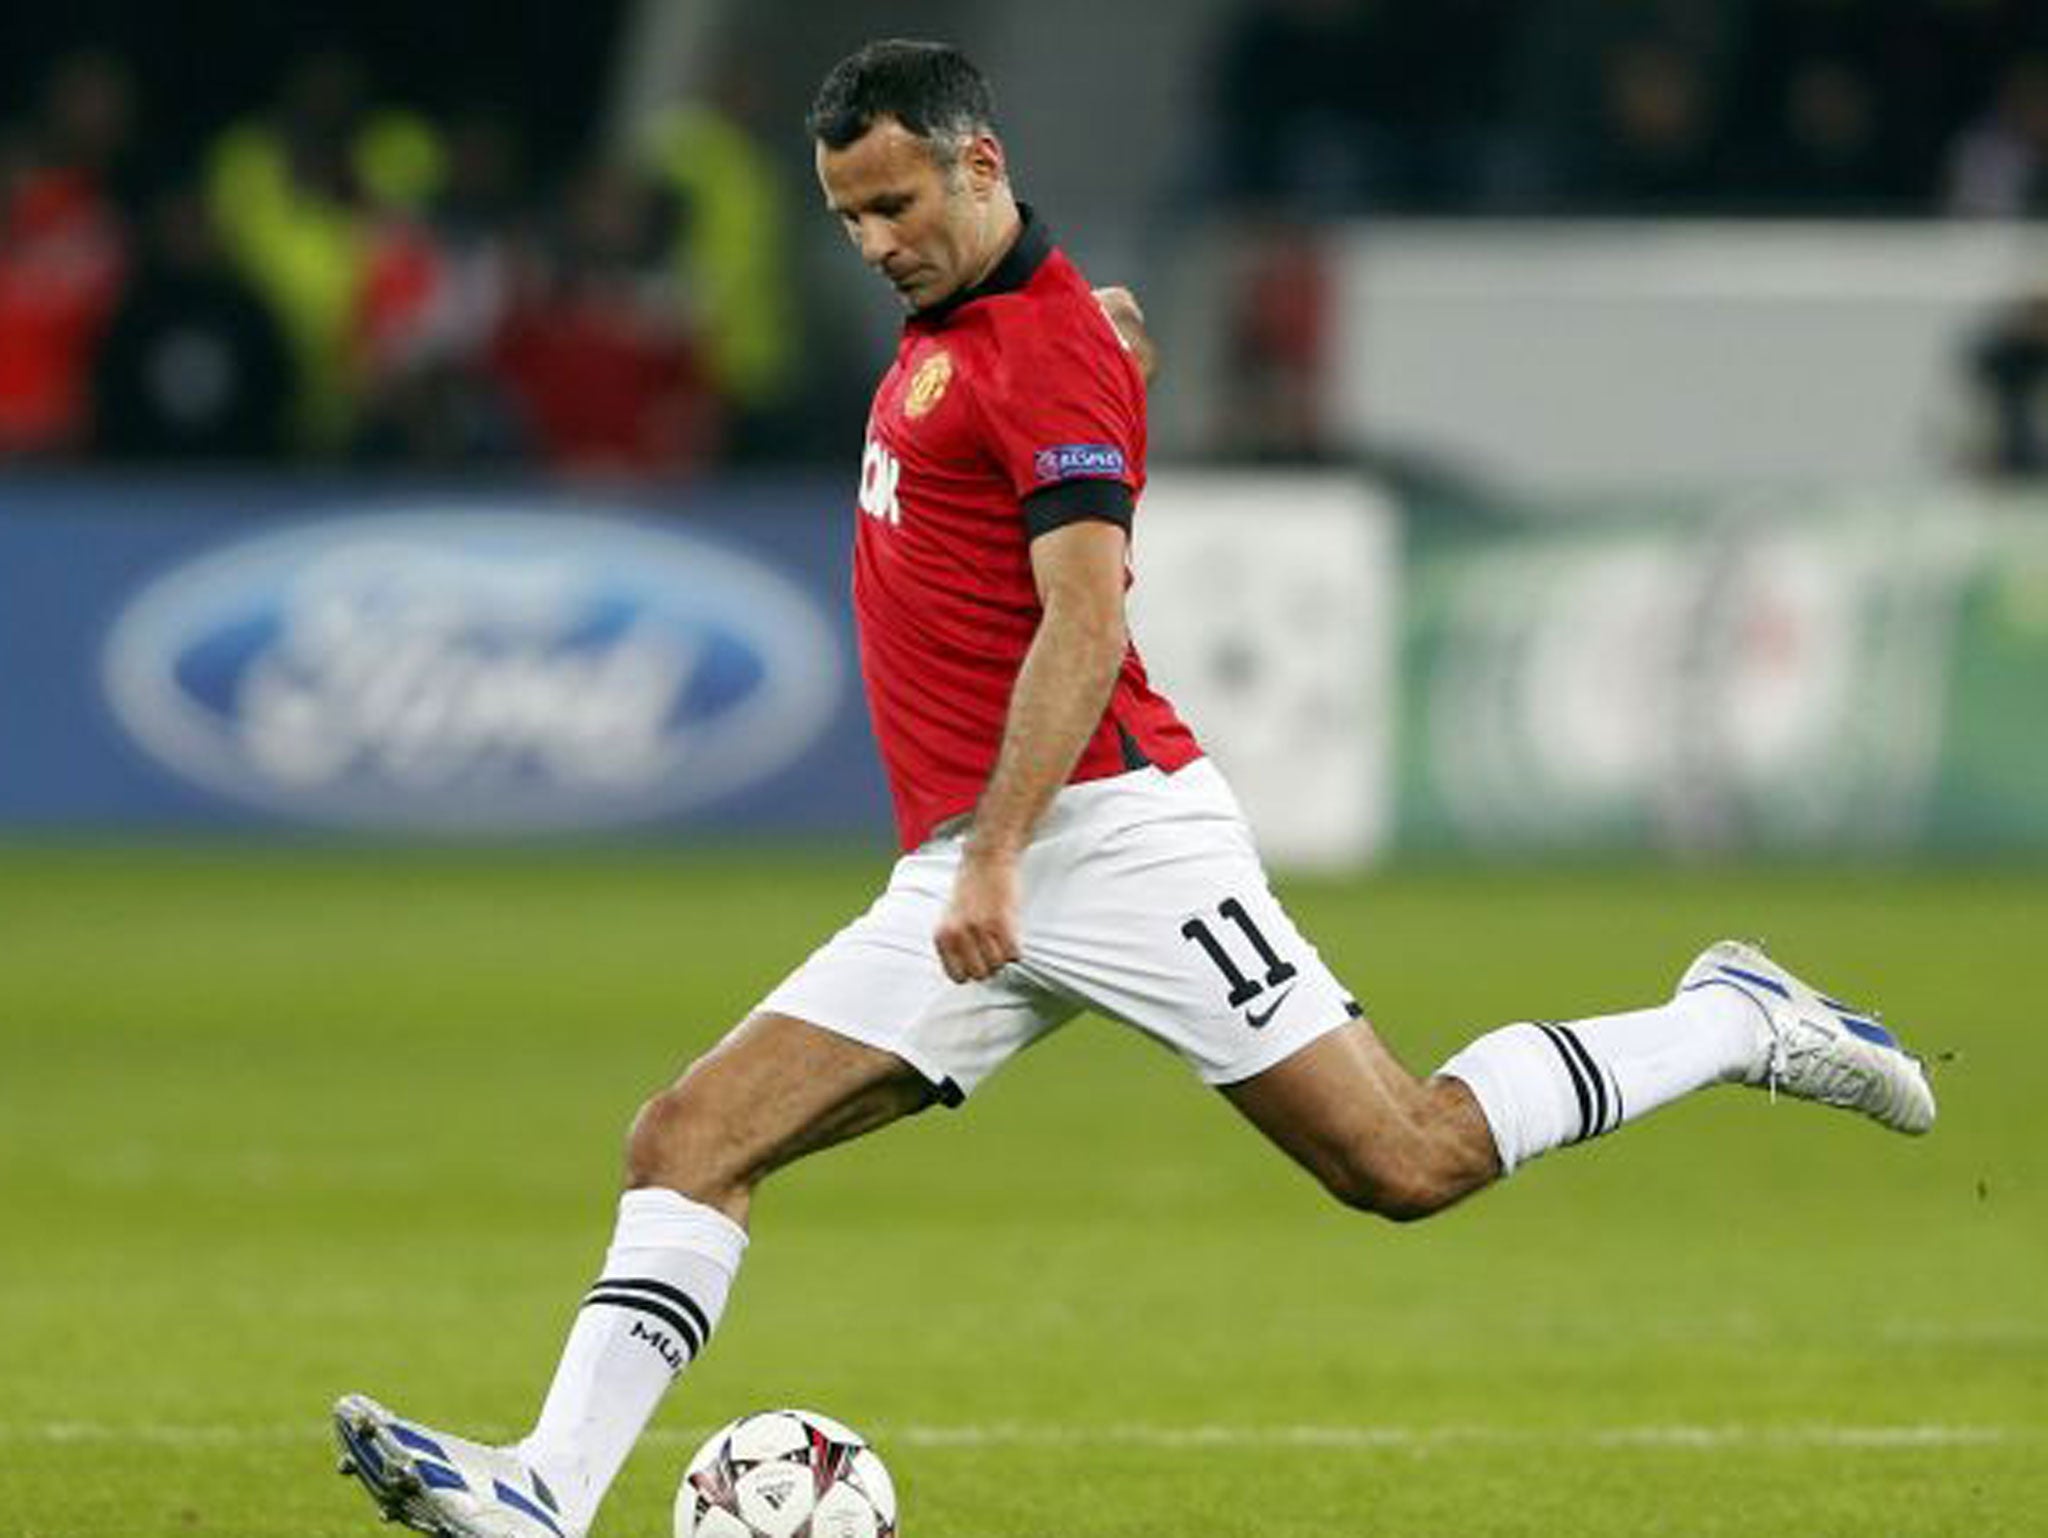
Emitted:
pixel 1005 224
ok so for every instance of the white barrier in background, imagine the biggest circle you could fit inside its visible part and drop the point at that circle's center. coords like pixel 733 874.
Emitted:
pixel 1267 608
pixel 1675 354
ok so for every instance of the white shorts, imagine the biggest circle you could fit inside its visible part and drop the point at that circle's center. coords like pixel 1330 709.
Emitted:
pixel 1143 899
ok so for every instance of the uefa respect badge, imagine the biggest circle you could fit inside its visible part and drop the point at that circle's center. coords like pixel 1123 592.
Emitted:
pixel 1078 462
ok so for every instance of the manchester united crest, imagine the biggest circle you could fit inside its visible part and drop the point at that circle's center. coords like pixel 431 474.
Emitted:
pixel 928 384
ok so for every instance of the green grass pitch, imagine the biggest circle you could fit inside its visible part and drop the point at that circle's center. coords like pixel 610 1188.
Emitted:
pixel 278 1125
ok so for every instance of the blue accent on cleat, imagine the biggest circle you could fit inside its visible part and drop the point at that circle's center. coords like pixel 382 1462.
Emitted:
pixel 1870 1031
pixel 1759 979
pixel 518 1502
pixel 364 1451
pixel 438 1476
pixel 440 1484
pixel 419 1442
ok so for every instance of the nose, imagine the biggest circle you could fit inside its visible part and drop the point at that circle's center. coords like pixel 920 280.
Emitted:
pixel 873 239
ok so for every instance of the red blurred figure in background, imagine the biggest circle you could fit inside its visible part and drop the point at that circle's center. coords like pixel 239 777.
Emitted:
pixel 1276 403
pixel 63 254
pixel 595 347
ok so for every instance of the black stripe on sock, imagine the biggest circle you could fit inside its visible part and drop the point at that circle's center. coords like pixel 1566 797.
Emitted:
pixel 668 1316
pixel 1600 1122
pixel 1578 1077
pixel 663 1290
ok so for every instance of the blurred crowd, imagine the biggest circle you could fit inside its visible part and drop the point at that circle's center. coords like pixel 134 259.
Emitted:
pixel 1809 107
pixel 351 282
pixel 337 278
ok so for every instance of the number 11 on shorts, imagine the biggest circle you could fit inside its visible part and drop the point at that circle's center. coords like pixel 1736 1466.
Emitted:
pixel 1243 989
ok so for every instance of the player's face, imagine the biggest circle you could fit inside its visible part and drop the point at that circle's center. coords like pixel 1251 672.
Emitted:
pixel 931 230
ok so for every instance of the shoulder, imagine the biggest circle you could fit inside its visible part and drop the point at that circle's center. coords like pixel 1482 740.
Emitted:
pixel 1052 334
pixel 1059 308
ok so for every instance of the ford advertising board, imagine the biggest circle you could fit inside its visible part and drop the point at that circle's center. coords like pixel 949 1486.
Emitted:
pixel 249 654
pixel 465 671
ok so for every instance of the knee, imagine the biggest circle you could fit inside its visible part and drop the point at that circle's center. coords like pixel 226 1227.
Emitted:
pixel 681 1138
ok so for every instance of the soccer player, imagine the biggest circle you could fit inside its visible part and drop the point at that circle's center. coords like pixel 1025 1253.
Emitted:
pixel 1067 847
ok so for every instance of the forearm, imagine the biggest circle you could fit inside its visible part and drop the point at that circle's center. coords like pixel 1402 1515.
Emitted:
pixel 1061 692
pixel 1062 689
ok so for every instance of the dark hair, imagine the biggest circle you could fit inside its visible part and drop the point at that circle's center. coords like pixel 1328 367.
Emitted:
pixel 930 88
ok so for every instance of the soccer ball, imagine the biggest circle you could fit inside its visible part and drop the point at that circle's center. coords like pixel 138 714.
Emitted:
pixel 786 1474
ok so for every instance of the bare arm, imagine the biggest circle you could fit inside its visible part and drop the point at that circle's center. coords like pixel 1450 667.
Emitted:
pixel 1061 691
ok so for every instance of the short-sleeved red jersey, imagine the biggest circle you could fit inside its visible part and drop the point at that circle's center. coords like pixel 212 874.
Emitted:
pixel 1001 401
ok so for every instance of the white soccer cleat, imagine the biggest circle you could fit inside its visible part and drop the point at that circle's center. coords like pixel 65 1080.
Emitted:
pixel 1816 1048
pixel 441 1484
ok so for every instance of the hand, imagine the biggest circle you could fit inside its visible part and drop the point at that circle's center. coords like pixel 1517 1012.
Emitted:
pixel 977 934
pixel 1121 306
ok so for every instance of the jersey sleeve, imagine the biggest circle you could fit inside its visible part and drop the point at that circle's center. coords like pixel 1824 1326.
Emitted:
pixel 1063 410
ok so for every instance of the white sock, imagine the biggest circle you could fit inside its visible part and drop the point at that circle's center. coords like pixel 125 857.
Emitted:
pixel 663 1287
pixel 1543 1085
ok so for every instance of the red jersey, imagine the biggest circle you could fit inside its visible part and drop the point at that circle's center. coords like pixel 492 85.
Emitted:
pixel 1011 408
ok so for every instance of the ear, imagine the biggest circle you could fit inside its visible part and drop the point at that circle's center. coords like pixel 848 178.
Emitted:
pixel 984 163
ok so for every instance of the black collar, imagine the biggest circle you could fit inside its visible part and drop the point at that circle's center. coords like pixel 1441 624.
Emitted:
pixel 1019 264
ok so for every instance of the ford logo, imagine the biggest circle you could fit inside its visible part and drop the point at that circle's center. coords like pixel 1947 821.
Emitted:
pixel 473 671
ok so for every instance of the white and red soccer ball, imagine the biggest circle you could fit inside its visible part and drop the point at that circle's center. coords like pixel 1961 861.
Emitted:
pixel 786 1474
